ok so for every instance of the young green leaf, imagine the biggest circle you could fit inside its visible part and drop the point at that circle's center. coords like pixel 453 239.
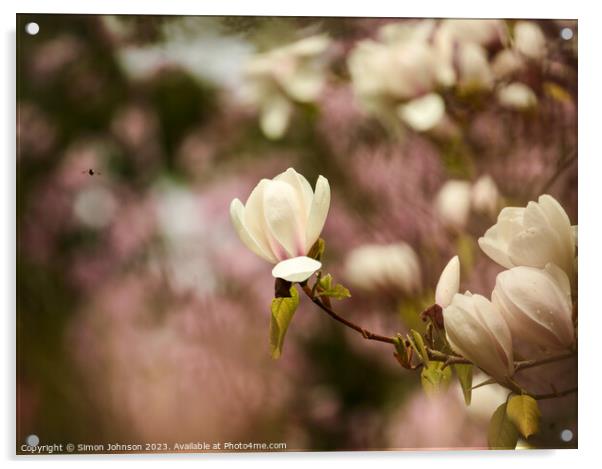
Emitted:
pixel 434 377
pixel 502 433
pixel 283 310
pixel 326 288
pixel 317 250
pixel 524 412
pixel 464 374
pixel 417 343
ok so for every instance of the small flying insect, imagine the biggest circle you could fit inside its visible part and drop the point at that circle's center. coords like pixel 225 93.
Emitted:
pixel 91 172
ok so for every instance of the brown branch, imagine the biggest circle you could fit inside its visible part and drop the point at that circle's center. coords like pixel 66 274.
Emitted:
pixel 554 394
pixel 366 334
pixel 523 365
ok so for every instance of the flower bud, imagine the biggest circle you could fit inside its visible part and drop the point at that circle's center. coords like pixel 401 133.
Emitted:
pixel 374 267
pixel 532 236
pixel 476 330
pixel 281 221
pixel 536 304
pixel 449 283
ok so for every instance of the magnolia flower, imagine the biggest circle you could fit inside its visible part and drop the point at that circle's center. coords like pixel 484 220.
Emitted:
pixel 374 266
pixel 449 283
pixel 397 75
pixel 281 221
pixel 516 96
pixel 506 63
pixel 536 304
pixel 529 40
pixel 482 32
pixel 452 203
pixel 475 329
pixel 485 195
pixel 473 67
pixel 282 76
pixel 532 236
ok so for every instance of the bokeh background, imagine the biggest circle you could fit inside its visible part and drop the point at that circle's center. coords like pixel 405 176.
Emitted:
pixel 141 316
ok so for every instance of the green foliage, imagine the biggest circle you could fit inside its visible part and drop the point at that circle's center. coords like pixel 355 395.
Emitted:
pixel 502 433
pixel 283 310
pixel 337 291
pixel 464 374
pixel 317 250
pixel 524 412
pixel 417 343
pixel 435 376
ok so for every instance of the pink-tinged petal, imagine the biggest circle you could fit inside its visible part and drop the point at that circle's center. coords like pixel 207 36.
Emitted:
pixel 237 213
pixel 296 269
pixel 301 186
pixel 318 212
pixel 449 283
pixel 283 214
pixel 255 222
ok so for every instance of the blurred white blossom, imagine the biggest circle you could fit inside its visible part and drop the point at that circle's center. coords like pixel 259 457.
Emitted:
pixel 516 96
pixel 485 195
pixel 278 78
pixel 529 40
pixel 452 203
pixel 373 266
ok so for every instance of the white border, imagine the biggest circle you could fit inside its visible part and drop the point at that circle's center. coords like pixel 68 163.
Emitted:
pixel 590 133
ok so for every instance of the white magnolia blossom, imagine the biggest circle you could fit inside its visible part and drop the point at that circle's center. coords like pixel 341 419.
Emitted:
pixel 529 40
pixel 485 195
pixel 536 304
pixel 452 203
pixel 476 329
pixel 423 113
pixel 533 236
pixel 280 222
pixel 482 32
pixel 280 77
pixel 449 283
pixel 373 266
pixel 398 74
pixel 517 96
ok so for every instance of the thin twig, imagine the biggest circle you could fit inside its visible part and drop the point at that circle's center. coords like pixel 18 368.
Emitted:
pixel 366 334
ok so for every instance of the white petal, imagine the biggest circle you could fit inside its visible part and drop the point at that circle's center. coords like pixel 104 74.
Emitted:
pixel 237 213
pixel 296 269
pixel 534 247
pixel 283 214
pixel 301 186
pixel 423 113
pixel 449 283
pixel 494 248
pixel 318 212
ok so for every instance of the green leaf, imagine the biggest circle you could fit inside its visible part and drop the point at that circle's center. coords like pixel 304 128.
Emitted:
pixel 464 374
pixel 317 250
pixel 524 412
pixel 283 310
pixel 502 433
pixel 417 343
pixel 338 291
pixel 434 377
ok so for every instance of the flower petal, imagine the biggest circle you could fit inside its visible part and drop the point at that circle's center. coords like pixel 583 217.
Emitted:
pixel 496 249
pixel 296 269
pixel 423 113
pixel 255 221
pixel 275 116
pixel 237 213
pixel 318 212
pixel 283 215
pixel 301 187
pixel 449 283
